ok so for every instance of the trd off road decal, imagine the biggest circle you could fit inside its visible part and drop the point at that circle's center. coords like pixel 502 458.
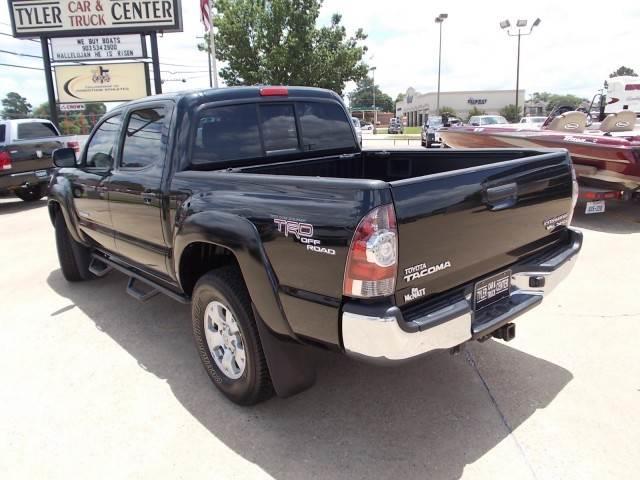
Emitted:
pixel 304 233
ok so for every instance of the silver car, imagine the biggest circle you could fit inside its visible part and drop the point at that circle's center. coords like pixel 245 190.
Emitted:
pixel 358 129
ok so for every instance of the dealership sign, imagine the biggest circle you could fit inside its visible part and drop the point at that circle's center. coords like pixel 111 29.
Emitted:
pixel 106 47
pixel 477 101
pixel 109 82
pixel 51 18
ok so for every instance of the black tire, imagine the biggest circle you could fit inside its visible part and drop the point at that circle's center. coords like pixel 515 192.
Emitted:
pixel 74 258
pixel 429 144
pixel 225 285
pixel 423 143
pixel 30 194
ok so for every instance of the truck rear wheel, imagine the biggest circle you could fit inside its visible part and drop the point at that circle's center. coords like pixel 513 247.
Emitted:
pixel 227 339
pixel 30 194
pixel 74 258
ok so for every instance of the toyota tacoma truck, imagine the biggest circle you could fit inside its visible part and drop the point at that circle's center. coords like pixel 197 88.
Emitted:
pixel 258 206
pixel 25 156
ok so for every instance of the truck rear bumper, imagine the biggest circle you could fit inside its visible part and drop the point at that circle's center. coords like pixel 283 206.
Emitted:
pixel 12 181
pixel 381 334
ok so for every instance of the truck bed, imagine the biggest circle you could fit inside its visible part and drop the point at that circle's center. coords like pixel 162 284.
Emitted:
pixel 390 166
pixel 464 213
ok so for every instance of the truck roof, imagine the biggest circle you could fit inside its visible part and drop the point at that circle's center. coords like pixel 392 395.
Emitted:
pixel 208 95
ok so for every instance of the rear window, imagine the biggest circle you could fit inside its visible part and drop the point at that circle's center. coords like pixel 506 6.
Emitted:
pixel 227 133
pixel 324 127
pixel 239 132
pixel 28 131
pixel 279 128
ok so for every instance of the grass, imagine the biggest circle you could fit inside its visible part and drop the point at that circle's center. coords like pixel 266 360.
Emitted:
pixel 411 130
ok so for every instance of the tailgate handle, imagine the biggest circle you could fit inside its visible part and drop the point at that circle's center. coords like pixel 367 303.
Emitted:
pixel 501 197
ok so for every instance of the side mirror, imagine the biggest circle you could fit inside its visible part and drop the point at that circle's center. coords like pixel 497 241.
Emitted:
pixel 64 157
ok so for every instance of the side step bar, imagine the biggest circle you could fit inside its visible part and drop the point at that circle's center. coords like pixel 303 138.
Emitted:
pixel 134 274
pixel 98 267
pixel 138 294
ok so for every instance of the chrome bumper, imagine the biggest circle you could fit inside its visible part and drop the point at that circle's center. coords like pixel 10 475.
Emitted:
pixel 383 336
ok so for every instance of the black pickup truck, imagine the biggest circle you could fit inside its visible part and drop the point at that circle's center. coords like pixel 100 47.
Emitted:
pixel 257 205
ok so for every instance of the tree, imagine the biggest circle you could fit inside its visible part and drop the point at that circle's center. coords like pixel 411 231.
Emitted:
pixel 15 106
pixel 362 96
pixel 474 112
pixel 511 113
pixel 277 42
pixel 400 97
pixel 558 100
pixel 621 71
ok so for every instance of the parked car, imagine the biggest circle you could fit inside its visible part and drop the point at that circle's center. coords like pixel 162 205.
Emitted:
pixel 258 206
pixel 482 120
pixel 356 127
pixel 533 122
pixel 26 146
pixel 429 131
pixel 366 126
pixel 395 126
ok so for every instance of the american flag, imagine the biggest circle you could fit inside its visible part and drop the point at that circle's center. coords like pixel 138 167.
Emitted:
pixel 204 14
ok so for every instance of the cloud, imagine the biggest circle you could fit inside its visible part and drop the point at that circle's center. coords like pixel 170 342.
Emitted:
pixel 572 51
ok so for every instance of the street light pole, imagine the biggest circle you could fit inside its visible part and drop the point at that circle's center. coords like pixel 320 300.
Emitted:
pixel 520 24
pixel 518 77
pixel 375 112
pixel 439 20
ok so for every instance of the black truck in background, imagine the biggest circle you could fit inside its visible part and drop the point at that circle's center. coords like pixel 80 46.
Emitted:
pixel 26 146
pixel 258 206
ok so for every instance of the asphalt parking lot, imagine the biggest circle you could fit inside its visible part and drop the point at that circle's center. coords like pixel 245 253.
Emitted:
pixel 97 385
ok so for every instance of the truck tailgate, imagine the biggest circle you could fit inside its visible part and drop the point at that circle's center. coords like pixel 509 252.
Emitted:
pixel 457 226
pixel 30 155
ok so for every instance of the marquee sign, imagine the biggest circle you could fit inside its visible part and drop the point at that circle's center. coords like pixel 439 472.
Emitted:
pixel 109 82
pixel 106 47
pixel 57 18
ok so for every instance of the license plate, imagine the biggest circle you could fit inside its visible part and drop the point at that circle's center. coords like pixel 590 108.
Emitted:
pixel 491 289
pixel 595 207
pixel 41 173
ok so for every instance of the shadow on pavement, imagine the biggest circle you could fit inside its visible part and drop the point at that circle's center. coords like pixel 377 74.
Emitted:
pixel 425 419
pixel 9 205
pixel 618 217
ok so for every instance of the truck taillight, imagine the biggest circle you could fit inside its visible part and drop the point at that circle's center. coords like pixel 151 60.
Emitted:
pixel 372 262
pixel 5 161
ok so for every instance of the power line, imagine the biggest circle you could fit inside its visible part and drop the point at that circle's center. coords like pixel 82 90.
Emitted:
pixel 19 66
pixel 20 54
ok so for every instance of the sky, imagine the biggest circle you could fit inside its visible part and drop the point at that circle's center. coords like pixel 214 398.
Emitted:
pixel 573 50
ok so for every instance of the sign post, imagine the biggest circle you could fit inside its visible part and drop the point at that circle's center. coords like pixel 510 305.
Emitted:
pixel 51 96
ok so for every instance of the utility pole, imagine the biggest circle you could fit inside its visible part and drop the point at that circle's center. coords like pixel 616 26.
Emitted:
pixel 213 71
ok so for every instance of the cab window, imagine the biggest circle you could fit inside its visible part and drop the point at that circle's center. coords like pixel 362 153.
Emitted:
pixel 143 140
pixel 103 144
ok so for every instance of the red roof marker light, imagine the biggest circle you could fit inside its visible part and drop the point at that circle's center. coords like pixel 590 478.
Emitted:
pixel 274 92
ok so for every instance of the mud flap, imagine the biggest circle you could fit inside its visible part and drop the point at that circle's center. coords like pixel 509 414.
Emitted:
pixel 291 366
